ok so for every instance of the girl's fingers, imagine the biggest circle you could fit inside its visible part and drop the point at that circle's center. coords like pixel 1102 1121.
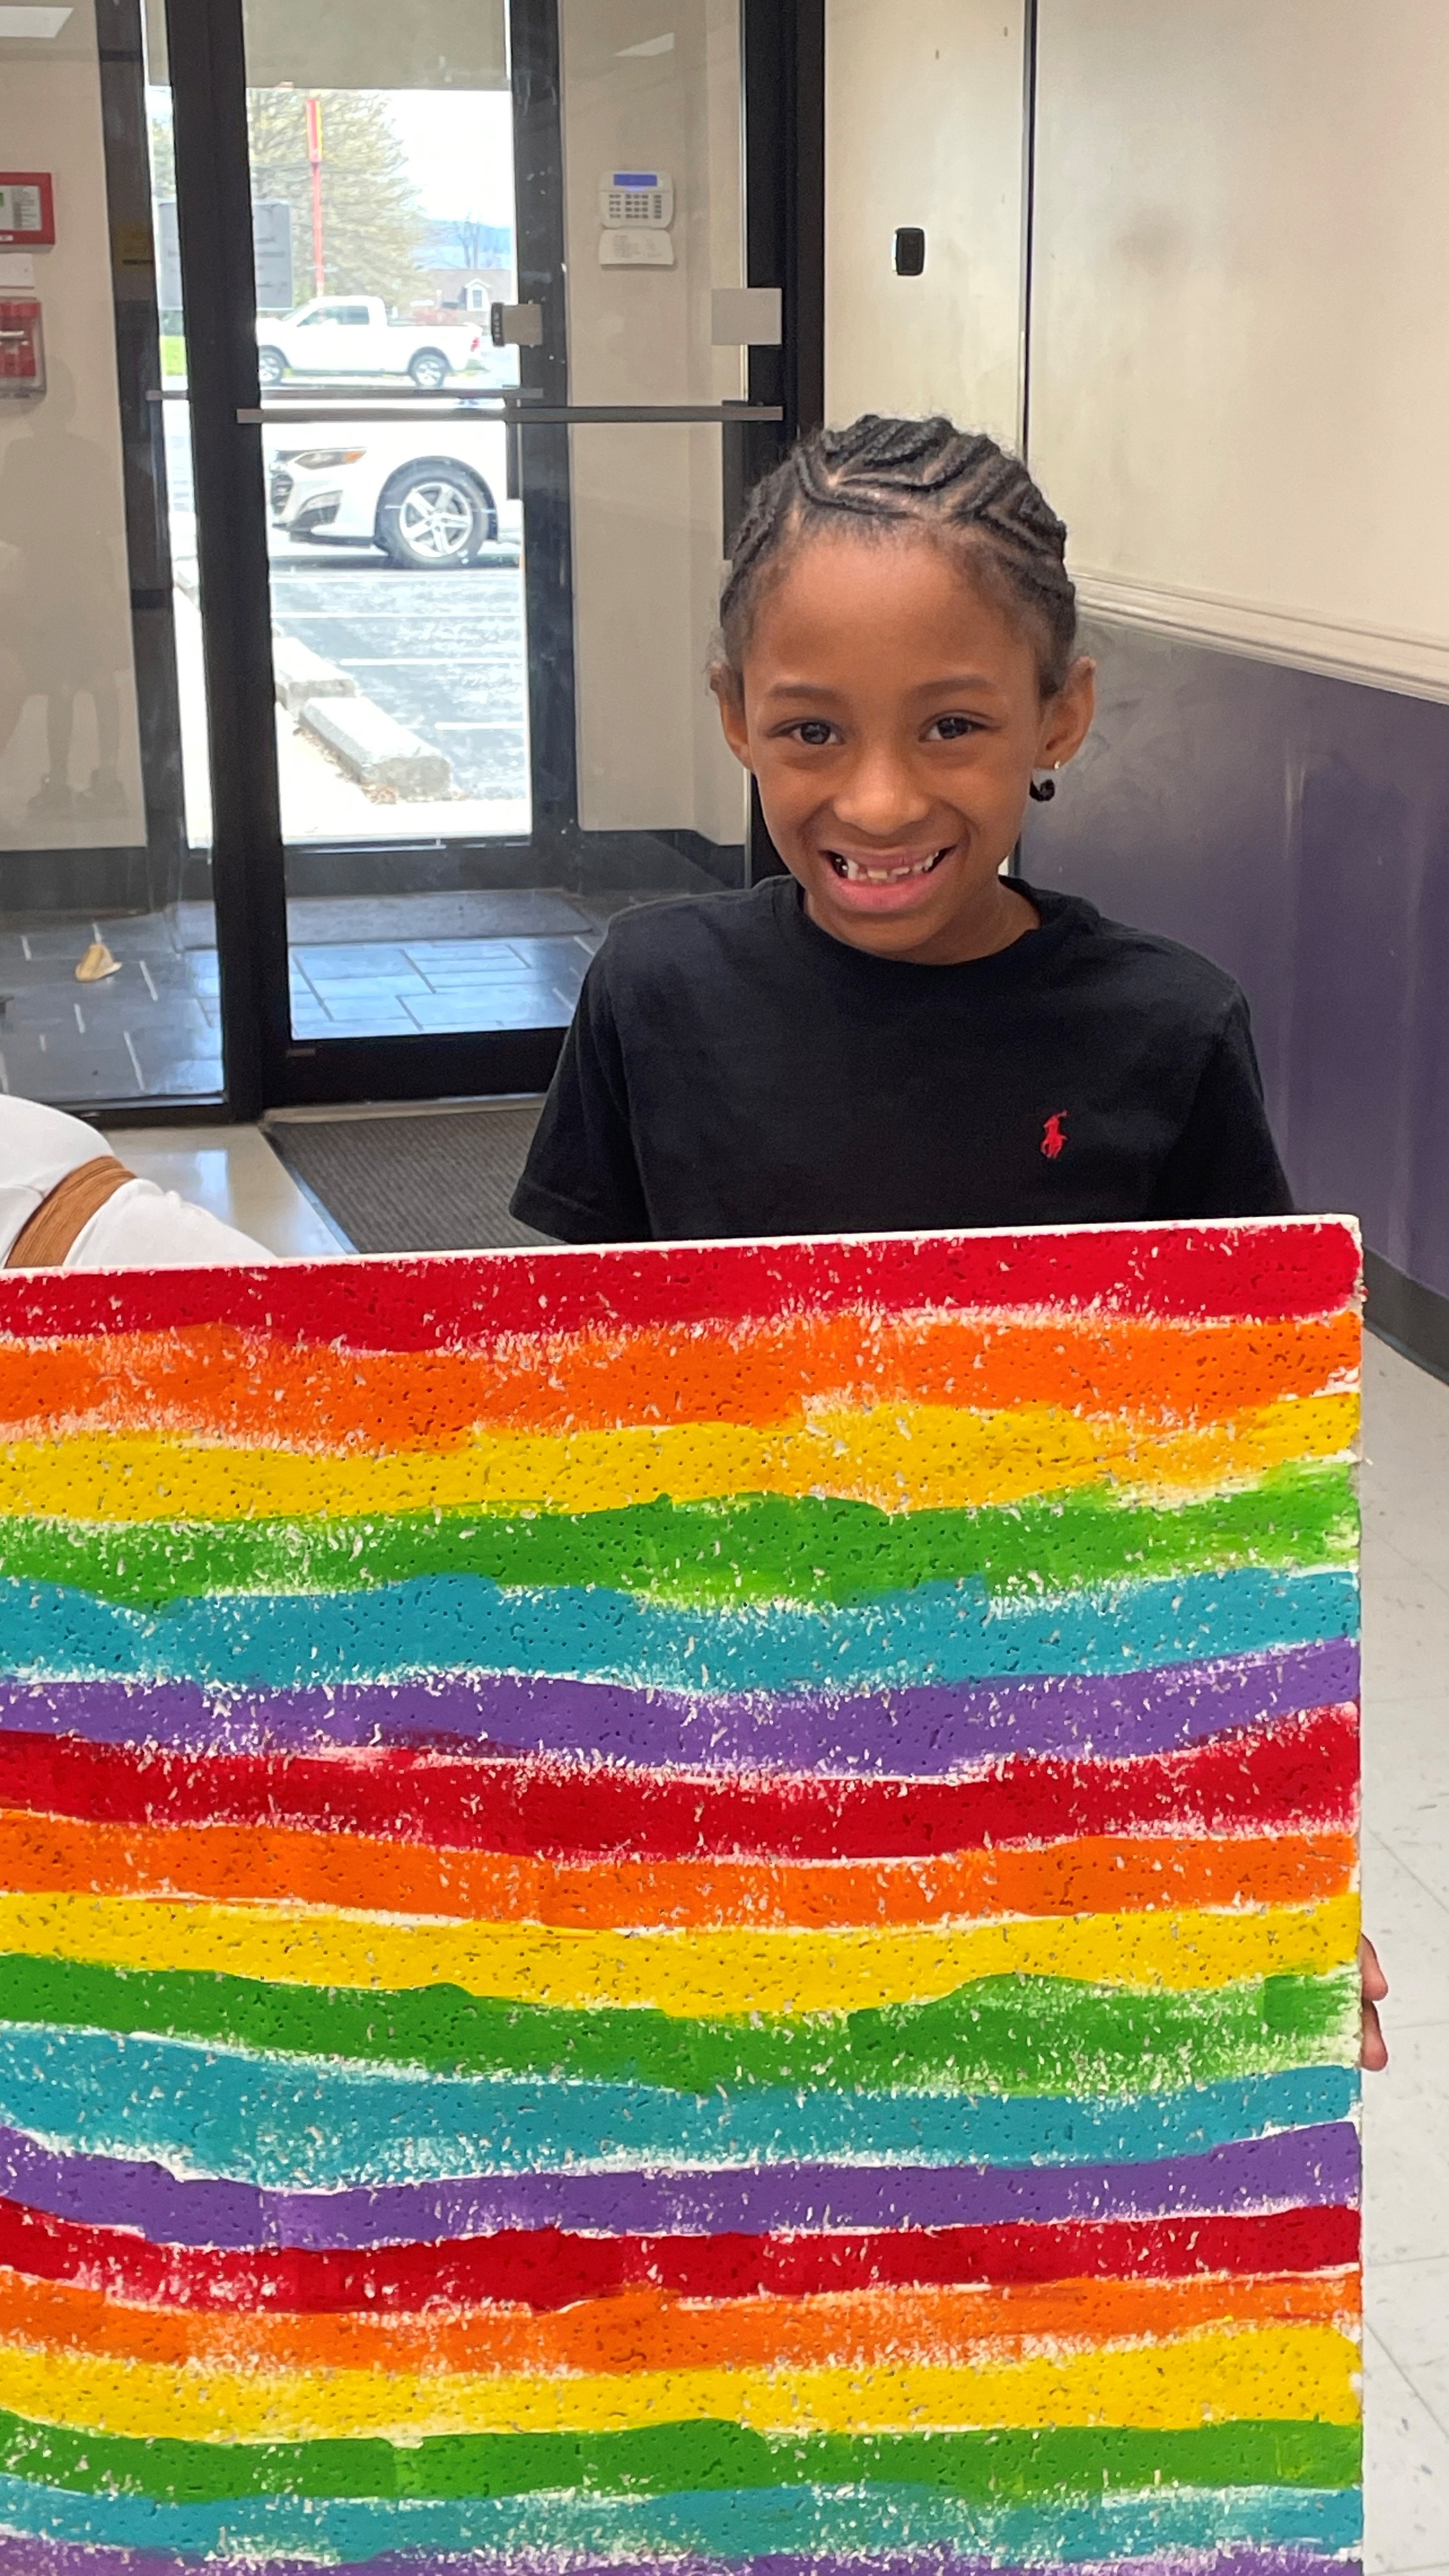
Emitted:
pixel 1374 2055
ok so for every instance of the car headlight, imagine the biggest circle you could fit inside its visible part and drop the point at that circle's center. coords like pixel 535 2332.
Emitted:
pixel 314 459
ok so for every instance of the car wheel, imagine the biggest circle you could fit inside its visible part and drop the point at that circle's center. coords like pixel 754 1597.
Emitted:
pixel 271 366
pixel 433 516
pixel 429 371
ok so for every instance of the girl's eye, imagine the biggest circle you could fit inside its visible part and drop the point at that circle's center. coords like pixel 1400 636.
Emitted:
pixel 815 731
pixel 954 728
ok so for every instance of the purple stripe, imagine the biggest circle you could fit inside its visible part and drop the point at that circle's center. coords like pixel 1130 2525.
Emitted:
pixel 1317 2167
pixel 923 1734
pixel 61 2558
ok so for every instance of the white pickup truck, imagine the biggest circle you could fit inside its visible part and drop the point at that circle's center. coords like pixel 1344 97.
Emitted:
pixel 350 335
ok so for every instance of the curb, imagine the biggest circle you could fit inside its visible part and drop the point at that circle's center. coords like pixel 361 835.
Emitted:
pixel 301 675
pixel 375 749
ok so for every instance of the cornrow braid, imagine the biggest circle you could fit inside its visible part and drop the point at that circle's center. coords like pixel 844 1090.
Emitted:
pixel 895 474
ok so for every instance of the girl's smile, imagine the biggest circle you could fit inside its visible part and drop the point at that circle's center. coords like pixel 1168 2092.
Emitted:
pixel 884 868
pixel 889 705
pixel 875 886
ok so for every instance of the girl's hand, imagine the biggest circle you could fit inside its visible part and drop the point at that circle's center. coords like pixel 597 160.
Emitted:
pixel 1375 2055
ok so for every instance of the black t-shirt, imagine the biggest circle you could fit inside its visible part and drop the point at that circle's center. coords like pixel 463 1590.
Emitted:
pixel 734 1070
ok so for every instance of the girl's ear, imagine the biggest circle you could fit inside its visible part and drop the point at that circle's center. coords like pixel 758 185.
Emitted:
pixel 732 714
pixel 1067 719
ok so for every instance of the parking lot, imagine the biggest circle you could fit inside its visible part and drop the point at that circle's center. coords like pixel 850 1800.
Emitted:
pixel 442 652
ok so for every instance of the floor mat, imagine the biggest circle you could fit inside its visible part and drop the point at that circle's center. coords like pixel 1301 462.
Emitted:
pixel 434 1184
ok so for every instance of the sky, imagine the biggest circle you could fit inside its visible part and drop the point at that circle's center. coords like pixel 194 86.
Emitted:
pixel 460 145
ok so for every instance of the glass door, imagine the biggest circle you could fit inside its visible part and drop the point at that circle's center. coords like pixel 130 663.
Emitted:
pixel 108 1000
pixel 500 379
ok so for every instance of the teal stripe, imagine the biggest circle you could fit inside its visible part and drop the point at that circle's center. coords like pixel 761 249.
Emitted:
pixel 734 2526
pixel 941 1633
pixel 294 2124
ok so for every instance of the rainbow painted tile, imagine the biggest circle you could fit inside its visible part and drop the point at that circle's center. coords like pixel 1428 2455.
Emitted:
pixel 683 1908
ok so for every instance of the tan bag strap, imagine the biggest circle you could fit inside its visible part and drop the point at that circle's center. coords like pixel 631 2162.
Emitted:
pixel 45 1238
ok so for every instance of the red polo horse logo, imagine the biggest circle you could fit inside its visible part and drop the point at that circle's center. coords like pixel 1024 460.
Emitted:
pixel 1054 1138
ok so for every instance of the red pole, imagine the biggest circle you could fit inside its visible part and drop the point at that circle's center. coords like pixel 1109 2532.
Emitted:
pixel 314 164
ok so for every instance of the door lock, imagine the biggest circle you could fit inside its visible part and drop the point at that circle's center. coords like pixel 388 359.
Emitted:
pixel 518 326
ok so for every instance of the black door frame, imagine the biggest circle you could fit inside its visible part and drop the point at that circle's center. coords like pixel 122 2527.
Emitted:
pixel 783 94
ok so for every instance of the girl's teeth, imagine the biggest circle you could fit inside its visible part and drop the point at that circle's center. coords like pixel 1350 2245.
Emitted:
pixel 855 874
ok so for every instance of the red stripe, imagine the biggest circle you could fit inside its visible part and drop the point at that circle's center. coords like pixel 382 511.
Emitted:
pixel 1271 1267
pixel 1297 1775
pixel 547 2269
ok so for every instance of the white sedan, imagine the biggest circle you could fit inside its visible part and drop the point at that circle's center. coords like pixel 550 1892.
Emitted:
pixel 428 493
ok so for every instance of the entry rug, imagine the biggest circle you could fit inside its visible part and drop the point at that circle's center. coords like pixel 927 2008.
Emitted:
pixel 683 1909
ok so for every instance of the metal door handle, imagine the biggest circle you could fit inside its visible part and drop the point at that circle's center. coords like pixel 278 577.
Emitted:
pixel 531 416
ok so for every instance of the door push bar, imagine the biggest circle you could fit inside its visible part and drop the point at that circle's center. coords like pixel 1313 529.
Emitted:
pixel 523 416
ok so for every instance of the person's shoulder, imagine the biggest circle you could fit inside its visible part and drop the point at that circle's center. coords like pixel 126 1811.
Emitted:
pixel 1143 964
pixel 685 931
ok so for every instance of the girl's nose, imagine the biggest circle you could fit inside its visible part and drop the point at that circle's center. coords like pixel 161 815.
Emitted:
pixel 881 796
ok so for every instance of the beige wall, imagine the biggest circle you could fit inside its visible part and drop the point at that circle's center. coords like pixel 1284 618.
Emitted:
pixel 924 126
pixel 647 501
pixel 1240 374
pixel 65 622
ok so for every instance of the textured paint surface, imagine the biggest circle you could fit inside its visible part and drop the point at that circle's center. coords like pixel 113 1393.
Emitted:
pixel 683 1909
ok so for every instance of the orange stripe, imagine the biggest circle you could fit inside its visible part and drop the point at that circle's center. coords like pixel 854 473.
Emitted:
pixel 227 1864
pixel 216 1383
pixel 649 2328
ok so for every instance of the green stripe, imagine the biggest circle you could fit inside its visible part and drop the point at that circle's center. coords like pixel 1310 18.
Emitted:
pixel 675 2459
pixel 1001 2035
pixel 762 1547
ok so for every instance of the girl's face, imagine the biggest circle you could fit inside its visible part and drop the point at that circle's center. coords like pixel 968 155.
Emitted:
pixel 891 713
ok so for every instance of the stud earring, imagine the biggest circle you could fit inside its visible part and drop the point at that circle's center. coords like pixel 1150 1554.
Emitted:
pixel 1042 790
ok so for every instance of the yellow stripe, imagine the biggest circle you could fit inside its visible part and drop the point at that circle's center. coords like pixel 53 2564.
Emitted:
pixel 709 1972
pixel 1289 2374
pixel 902 1457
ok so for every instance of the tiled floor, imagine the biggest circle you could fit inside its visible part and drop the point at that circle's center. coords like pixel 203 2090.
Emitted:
pixel 386 968
pixel 393 989
pixel 150 1031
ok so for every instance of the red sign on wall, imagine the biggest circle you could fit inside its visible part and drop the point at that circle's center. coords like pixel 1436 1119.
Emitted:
pixel 22 351
pixel 27 210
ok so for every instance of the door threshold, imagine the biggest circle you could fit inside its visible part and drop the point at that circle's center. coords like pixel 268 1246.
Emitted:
pixel 335 1111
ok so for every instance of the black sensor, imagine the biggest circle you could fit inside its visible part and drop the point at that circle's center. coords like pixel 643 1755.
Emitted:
pixel 910 250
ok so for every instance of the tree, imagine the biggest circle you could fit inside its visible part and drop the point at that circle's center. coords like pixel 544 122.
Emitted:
pixel 163 156
pixel 470 234
pixel 373 224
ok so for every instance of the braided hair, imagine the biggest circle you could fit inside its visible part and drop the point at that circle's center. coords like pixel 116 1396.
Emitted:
pixel 890 476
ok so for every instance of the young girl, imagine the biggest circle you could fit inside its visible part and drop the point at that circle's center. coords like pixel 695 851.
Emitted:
pixel 895 1036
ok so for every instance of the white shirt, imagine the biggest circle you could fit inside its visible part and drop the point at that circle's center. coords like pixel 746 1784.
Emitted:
pixel 141 1227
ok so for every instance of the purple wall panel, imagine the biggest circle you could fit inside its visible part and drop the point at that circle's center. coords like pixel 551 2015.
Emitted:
pixel 1297 830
